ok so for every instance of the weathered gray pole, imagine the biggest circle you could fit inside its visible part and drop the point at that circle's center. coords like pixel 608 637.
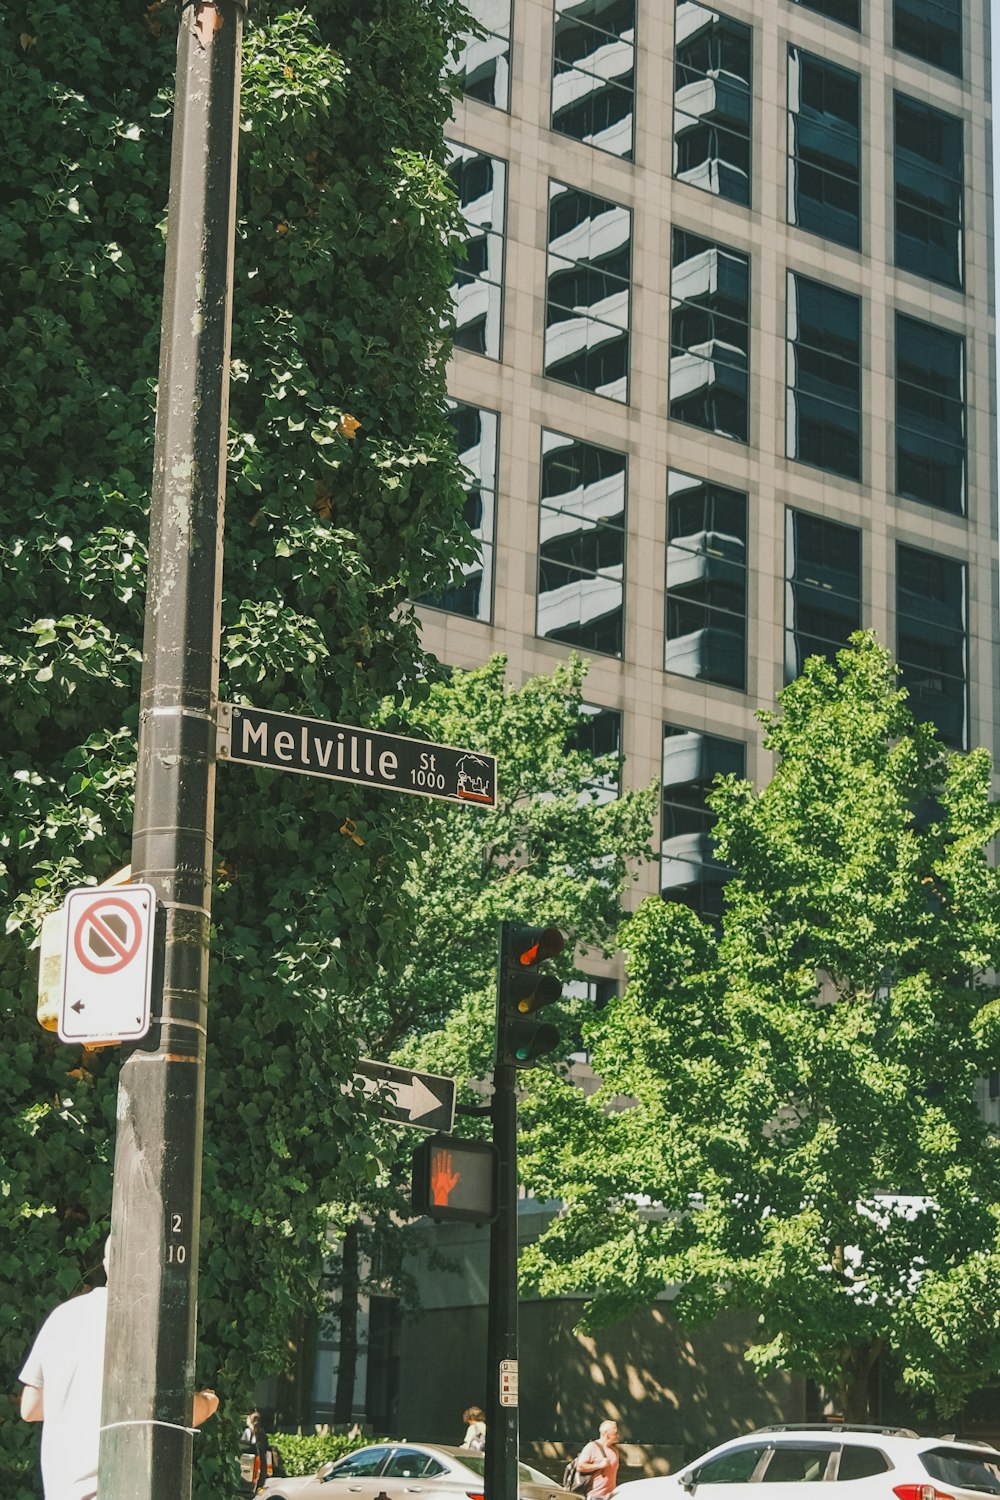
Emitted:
pixel 146 1442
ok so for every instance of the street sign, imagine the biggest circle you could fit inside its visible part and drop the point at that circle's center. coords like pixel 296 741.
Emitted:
pixel 107 962
pixel 455 1179
pixel 508 1382
pixel 424 1100
pixel 309 747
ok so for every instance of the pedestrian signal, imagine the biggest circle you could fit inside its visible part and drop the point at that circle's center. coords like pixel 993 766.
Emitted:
pixel 455 1179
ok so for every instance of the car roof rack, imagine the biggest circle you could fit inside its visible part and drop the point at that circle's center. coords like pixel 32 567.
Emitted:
pixel 839 1427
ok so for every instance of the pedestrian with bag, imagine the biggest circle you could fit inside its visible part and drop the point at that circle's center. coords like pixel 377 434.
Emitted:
pixel 475 1429
pixel 595 1472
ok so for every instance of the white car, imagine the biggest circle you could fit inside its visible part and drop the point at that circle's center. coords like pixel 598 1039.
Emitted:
pixel 856 1463
pixel 405 1471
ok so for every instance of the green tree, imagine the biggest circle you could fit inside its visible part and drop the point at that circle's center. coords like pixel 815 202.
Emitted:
pixel 802 1124
pixel 344 500
pixel 558 849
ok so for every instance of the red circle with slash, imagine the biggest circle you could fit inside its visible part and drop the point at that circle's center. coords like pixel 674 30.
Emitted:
pixel 107 935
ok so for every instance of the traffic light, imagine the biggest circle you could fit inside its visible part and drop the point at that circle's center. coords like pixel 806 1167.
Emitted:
pixel 522 992
pixel 455 1179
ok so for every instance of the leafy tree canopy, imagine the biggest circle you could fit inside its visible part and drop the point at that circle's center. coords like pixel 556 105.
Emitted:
pixel 800 1134
pixel 344 500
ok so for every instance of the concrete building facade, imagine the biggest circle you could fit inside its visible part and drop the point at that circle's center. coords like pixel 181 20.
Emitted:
pixel 724 383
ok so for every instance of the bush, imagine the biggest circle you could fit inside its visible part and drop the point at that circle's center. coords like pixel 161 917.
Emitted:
pixel 303 1452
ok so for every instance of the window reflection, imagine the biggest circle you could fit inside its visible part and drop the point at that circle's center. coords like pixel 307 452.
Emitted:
pixel 844 11
pixel 706 581
pixel 709 335
pixel 823 376
pixel 477 439
pixel 931 640
pixel 689 869
pixel 482 63
pixel 587 308
pixel 712 101
pixel 600 733
pixel 928 182
pixel 593 78
pixel 581 550
pixel 930 414
pixel 822 588
pixel 824 148
pixel 480 182
pixel 930 29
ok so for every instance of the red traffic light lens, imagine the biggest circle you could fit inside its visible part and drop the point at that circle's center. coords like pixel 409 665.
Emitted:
pixel 539 943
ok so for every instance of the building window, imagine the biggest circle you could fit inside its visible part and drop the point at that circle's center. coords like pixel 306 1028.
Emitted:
pixel 931 640
pixel 581 550
pixel 822 588
pixel 713 88
pixel 844 11
pixel 706 631
pixel 480 182
pixel 600 734
pixel 931 30
pixel 930 414
pixel 824 148
pixel 593 73
pixel 689 869
pixel 482 63
pixel 477 439
pixel 709 336
pixel 587 307
pixel 823 377
pixel 928 176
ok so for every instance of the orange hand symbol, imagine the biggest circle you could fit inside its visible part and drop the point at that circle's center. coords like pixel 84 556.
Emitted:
pixel 443 1179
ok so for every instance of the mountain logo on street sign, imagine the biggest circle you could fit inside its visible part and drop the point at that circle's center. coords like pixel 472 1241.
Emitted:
pixel 341 752
pixel 425 1101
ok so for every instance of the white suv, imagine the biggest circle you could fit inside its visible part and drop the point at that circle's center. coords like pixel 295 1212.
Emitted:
pixel 864 1463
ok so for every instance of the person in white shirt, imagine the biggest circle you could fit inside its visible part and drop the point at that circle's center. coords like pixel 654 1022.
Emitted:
pixel 63 1385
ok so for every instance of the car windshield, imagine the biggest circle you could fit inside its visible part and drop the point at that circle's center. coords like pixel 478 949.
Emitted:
pixel 964 1468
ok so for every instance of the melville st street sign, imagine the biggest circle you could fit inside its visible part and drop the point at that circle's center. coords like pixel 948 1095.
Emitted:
pixel 424 1100
pixel 289 742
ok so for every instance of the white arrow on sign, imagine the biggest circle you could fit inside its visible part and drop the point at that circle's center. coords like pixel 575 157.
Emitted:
pixel 426 1100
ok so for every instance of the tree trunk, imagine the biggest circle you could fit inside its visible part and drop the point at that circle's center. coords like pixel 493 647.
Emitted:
pixel 347 1362
pixel 852 1386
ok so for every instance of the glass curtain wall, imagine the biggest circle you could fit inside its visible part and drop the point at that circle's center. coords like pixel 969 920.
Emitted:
pixel 593 73
pixel 822 587
pixel 480 183
pixel 713 100
pixel 706 595
pixel 709 336
pixel 581 547
pixel 588 292
pixel 824 148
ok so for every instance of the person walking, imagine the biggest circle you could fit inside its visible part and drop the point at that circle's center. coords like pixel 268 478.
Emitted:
pixel 63 1386
pixel 600 1460
pixel 475 1429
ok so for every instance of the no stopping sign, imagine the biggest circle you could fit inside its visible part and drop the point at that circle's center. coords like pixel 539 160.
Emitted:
pixel 107 964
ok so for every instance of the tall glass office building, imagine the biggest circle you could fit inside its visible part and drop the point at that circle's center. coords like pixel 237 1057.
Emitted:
pixel 723 377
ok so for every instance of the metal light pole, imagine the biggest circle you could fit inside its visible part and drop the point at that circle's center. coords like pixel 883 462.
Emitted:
pixel 146 1442
pixel 501 1336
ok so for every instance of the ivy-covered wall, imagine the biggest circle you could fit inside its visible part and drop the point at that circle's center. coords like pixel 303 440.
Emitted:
pixel 343 501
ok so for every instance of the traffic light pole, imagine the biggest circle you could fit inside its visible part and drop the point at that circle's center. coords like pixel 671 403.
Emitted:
pixel 501 1337
pixel 146 1434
